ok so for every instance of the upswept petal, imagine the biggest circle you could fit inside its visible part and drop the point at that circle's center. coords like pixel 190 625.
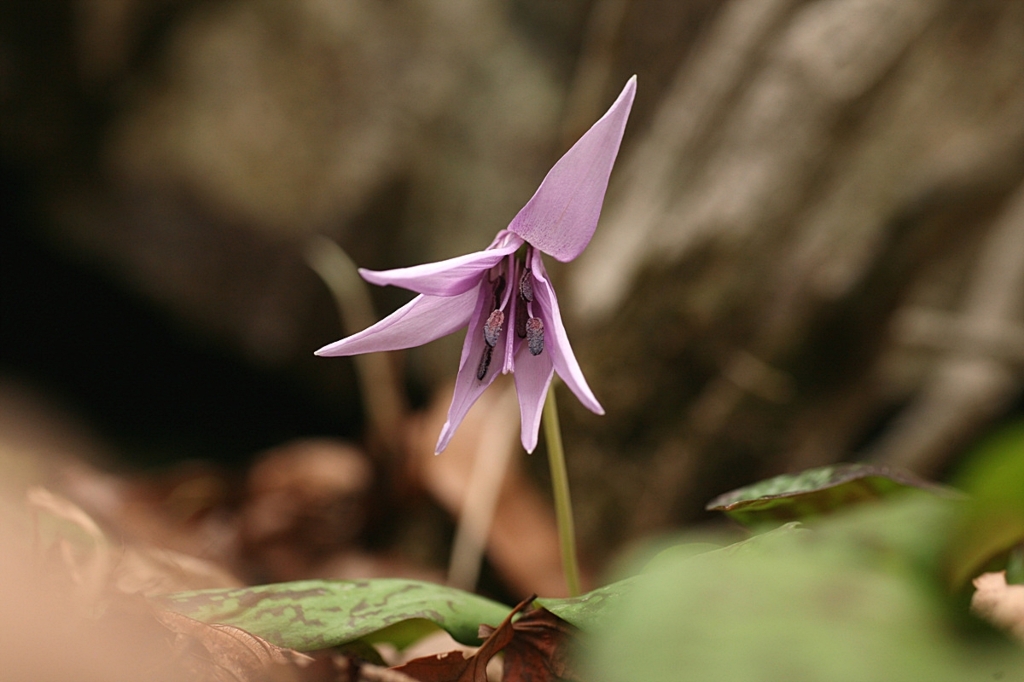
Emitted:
pixel 419 321
pixel 562 215
pixel 556 342
pixel 447 277
pixel 467 387
pixel 533 376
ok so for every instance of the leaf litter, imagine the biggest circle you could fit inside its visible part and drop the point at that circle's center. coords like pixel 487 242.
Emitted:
pixel 113 580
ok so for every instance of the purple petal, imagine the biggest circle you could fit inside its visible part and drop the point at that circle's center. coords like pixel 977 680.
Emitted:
pixel 556 343
pixel 562 215
pixel 467 386
pixel 422 319
pixel 533 376
pixel 448 277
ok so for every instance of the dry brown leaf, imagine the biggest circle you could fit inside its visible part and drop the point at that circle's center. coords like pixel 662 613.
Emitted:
pixel 51 629
pixel 437 642
pixel 184 509
pixel 305 501
pixel 999 603
pixel 456 666
pixel 540 649
pixel 150 571
pixel 96 563
pixel 223 653
pixel 536 649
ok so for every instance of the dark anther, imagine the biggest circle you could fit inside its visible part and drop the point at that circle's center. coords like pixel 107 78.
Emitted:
pixel 526 285
pixel 522 314
pixel 485 362
pixel 492 327
pixel 535 335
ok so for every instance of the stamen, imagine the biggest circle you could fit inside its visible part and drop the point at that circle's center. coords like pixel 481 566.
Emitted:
pixel 535 335
pixel 492 328
pixel 522 315
pixel 499 289
pixel 485 363
pixel 526 285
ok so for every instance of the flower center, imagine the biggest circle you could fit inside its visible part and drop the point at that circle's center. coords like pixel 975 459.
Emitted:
pixel 527 325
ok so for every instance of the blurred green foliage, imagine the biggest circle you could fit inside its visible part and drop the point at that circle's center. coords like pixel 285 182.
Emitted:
pixel 993 528
pixel 857 597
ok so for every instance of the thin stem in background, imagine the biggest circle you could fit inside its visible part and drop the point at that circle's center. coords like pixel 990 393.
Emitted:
pixel 560 488
pixel 378 382
pixel 491 460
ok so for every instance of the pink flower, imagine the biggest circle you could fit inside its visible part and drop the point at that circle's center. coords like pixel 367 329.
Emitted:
pixel 505 299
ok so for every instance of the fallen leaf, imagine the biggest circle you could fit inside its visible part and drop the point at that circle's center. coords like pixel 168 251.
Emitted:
pixel 304 501
pixel 999 603
pixel 539 650
pixel 456 666
pixel 52 627
pixel 186 509
pixel 224 653
pixel 149 571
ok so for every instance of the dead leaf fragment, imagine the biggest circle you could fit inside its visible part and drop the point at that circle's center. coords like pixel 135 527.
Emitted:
pixel 305 501
pixel 999 603
pixel 536 649
pixel 223 653
pixel 539 649
pixel 455 666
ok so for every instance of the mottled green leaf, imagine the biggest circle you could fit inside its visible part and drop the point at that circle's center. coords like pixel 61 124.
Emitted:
pixel 316 614
pixel 816 491
pixel 588 609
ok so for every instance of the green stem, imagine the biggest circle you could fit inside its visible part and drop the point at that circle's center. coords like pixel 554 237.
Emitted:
pixel 560 487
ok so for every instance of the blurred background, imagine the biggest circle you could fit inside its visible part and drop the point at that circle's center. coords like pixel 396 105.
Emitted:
pixel 812 251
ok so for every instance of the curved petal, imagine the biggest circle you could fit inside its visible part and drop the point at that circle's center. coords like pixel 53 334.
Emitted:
pixel 556 342
pixel 562 215
pixel 448 277
pixel 533 376
pixel 467 386
pixel 419 321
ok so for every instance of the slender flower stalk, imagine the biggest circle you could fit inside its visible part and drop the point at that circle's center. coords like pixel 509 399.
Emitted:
pixel 560 491
pixel 503 293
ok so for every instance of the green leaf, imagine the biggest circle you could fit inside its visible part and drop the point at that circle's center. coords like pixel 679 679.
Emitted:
pixel 316 614
pixel 670 557
pixel 993 477
pixel 588 610
pixel 816 491
pixel 850 599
